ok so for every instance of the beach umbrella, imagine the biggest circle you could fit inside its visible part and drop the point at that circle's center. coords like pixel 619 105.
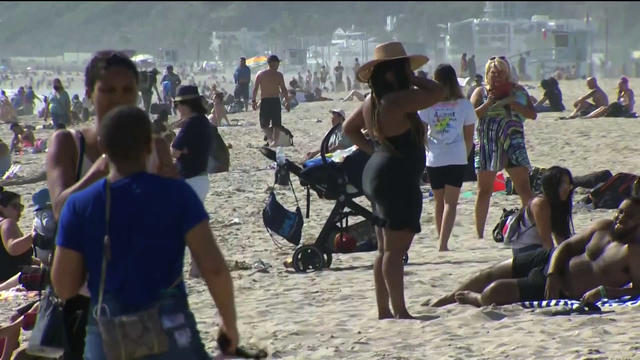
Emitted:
pixel 256 61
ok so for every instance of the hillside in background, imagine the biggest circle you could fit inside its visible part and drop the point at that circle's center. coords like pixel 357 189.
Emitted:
pixel 51 28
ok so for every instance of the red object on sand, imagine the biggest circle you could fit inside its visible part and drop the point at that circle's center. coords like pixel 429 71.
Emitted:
pixel 345 242
pixel 498 183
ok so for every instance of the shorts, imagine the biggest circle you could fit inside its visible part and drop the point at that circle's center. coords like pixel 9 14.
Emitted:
pixel 530 269
pixel 451 175
pixel 270 112
pixel 588 108
pixel 241 91
pixel 616 110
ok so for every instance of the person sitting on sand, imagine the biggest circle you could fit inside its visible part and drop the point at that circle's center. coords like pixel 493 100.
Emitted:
pixel 315 95
pixel 7 112
pixel 597 263
pixel 623 105
pixel 551 94
pixel 338 140
pixel 16 248
pixel 354 94
pixel 584 107
pixel 133 283
pixel 218 112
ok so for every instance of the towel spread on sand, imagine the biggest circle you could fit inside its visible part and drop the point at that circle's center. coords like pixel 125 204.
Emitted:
pixel 623 301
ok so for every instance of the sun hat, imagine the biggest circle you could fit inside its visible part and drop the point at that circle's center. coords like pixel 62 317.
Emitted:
pixel 41 199
pixel 186 92
pixel 388 51
pixel 338 111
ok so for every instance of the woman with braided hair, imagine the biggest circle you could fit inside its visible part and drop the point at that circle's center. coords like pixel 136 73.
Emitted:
pixel 391 177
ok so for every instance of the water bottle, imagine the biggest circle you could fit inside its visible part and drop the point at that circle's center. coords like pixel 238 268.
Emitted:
pixel 280 158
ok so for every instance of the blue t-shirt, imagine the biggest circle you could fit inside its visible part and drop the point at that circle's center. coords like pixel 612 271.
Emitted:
pixel 242 73
pixel 150 217
pixel 195 137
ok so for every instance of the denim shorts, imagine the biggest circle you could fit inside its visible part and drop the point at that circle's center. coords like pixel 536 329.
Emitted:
pixel 177 320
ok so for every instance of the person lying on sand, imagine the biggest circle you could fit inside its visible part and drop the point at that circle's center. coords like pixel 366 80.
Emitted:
pixel 338 140
pixel 584 107
pixel 598 263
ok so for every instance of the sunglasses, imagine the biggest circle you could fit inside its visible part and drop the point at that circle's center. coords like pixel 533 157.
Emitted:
pixel 499 57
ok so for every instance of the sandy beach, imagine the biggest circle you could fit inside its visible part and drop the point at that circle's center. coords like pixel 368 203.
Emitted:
pixel 332 314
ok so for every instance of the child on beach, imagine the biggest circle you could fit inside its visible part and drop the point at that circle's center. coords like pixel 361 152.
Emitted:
pixel 219 112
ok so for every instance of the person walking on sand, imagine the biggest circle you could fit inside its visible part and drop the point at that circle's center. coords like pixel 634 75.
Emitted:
pixel 270 82
pixel 450 124
pixel 140 213
pixel 75 160
pixel 58 106
pixel 242 78
pixel 391 177
pixel 501 107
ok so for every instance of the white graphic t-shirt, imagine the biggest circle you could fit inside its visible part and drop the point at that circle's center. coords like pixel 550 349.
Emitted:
pixel 445 136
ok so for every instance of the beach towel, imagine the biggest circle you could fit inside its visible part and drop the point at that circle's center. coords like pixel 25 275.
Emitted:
pixel 604 303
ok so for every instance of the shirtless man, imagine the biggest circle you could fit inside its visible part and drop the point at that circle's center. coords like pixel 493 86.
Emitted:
pixel 622 107
pixel 584 107
pixel 600 262
pixel 271 84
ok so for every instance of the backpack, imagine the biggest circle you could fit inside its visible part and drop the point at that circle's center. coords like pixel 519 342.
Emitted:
pixel 513 227
pixel 610 194
pixel 498 230
pixel 535 181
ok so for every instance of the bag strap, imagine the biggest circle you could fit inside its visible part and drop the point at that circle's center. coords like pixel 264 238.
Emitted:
pixel 106 250
pixel 105 247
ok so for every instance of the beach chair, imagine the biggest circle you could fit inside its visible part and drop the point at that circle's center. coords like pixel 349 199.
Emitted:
pixel 342 183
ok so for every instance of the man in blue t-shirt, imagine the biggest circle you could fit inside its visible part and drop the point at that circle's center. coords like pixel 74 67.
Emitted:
pixel 242 78
pixel 151 220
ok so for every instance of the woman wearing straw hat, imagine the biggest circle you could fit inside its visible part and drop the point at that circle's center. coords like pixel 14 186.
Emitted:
pixel 391 178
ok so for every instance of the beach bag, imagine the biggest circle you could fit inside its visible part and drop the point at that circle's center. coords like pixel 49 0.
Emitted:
pixel 610 194
pixel 131 336
pixel 592 180
pixel 498 230
pixel 513 228
pixel 535 181
pixel 281 221
pixel 48 338
pixel 219 158
pixel 286 137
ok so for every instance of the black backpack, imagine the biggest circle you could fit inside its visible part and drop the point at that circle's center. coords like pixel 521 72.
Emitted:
pixel 497 230
pixel 610 194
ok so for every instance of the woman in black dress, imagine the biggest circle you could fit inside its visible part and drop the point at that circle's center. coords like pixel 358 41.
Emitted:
pixel 391 178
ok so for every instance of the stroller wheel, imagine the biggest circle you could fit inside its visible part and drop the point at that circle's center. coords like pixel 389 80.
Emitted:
pixel 405 259
pixel 327 260
pixel 308 257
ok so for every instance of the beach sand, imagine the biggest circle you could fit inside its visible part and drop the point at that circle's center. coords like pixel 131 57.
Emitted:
pixel 332 314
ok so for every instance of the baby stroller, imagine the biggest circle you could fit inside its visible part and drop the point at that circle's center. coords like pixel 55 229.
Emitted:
pixel 341 182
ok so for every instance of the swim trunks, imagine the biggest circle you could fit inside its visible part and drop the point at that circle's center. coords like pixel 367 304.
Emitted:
pixel 270 112
pixel 530 269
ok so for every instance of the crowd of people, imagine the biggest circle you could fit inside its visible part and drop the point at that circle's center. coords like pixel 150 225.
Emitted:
pixel 105 179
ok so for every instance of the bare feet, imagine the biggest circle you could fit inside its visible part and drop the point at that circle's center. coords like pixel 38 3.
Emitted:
pixel 468 297
pixel 385 315
pixel 443 248
pixel 405 316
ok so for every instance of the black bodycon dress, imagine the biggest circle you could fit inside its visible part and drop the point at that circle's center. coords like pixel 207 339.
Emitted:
pixel 391 181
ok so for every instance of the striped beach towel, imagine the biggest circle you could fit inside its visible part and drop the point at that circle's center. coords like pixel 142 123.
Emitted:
pixel 604 303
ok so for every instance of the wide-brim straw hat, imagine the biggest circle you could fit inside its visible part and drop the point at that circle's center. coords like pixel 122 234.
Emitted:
pixel 389 51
